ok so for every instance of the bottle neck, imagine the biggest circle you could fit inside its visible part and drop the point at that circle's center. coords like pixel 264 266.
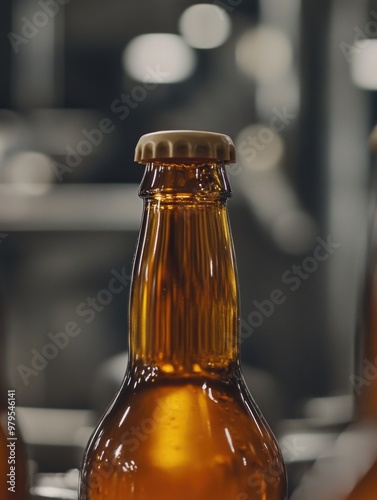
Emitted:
pixel 184 308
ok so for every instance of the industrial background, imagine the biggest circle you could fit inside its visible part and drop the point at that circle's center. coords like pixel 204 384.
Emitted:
pixel 294 84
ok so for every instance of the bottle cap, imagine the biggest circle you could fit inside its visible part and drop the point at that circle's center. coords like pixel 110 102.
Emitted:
pixel 184 144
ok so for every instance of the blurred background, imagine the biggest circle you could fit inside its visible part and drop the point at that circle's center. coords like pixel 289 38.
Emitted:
pixel 293 83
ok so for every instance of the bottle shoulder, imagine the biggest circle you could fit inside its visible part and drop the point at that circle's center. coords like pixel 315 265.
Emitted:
pixel 198 426
pixel 198 414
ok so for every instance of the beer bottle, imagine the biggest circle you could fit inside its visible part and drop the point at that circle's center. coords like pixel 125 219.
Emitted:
pixel 183 424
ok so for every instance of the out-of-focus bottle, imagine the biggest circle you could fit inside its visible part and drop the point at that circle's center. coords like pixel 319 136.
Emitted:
pixel 349 471
pixel 183 425
pixel 365 382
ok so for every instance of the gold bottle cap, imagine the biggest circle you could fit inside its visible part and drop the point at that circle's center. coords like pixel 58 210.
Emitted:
pixel 184 144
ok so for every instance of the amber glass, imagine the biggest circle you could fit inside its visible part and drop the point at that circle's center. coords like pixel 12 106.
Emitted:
pixel 183 425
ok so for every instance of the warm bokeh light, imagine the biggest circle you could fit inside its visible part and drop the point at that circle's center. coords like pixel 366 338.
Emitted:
pixel 205 26
pixel 264 53
pixel 159 58
pixel 259 147
pixel 28 171
pixel 364 65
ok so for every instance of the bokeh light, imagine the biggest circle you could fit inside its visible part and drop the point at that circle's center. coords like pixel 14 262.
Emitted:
pixel 205 26
pixel 364 65
pixel 260 147
pixel 29 172
pixel 159 58
pixel 264 53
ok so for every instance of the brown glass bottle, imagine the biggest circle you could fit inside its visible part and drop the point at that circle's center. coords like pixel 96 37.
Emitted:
pixel 183 425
